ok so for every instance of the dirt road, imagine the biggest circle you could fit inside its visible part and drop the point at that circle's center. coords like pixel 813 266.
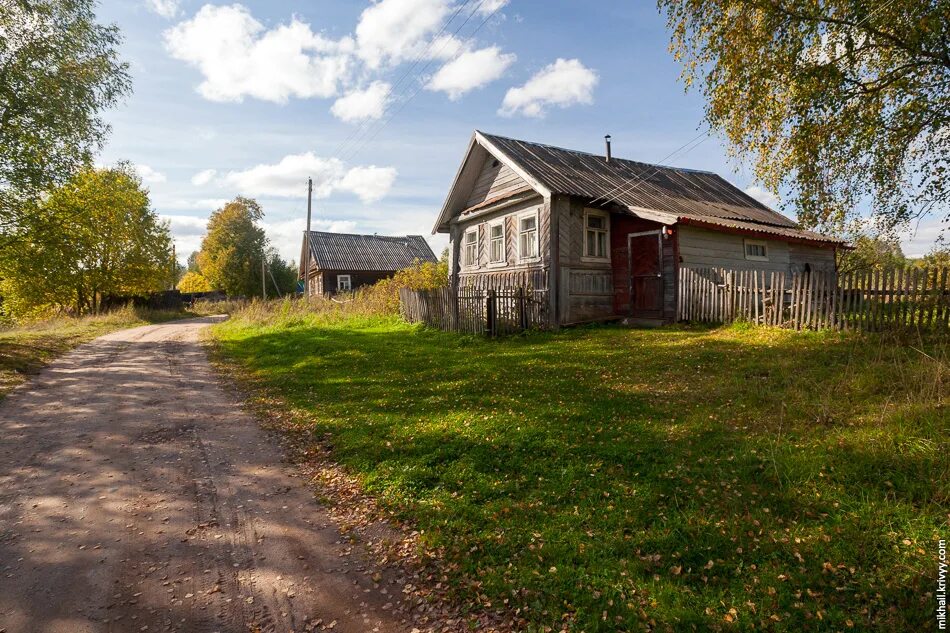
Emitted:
pixel 136 495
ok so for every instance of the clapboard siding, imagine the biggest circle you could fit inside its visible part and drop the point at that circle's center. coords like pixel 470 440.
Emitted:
pixel 495 181
pixel 702 248
pixel 818 259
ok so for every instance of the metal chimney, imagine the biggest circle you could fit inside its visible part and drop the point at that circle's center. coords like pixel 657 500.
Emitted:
pixel 607 141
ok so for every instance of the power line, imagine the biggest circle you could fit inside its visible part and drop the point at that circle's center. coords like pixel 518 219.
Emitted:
pixel 626 186
pixel 633 182
pixel 392 87
pixel 367 139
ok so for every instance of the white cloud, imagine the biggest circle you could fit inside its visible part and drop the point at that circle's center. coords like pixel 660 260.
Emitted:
pixel 764 196
pixel 203 177
pixel 487 7
pixel 239 58
pixel 564 83
pixel 148 175
pixel 920 238
pixel 471 70
pixel 359 105
pixel 186 225
pixel 288 178
pixel 369 183
pixel 447 47
pixel 165 8
pixel 395 30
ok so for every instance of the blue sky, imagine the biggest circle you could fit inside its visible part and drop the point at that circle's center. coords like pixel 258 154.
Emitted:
pixel 250 98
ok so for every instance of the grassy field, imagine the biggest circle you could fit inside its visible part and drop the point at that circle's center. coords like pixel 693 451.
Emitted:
pixel 607 479
pixel 25 350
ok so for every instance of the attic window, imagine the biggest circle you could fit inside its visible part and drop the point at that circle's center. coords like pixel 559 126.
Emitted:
pixel 757 250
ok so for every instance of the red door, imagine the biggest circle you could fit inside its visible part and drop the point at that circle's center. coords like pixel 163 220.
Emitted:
pixel 646 274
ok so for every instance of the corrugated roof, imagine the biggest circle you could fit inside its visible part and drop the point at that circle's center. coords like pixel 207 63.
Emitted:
pixel 630 183
pixel 348 251
pixel 781 231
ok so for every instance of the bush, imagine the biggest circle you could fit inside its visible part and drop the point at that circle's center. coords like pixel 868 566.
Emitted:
pixel 194 282
pixel 384 295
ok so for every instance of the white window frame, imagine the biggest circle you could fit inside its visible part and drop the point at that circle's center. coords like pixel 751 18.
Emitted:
pixel 340 285
pixel 606 216
pixel 537 236
pixel 504 242
pixel 758 258
pixel 465 261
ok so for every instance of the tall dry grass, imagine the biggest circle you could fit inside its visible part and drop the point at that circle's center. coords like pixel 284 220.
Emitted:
pixel 381 300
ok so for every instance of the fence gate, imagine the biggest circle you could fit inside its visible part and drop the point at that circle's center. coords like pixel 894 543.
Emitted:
pixel 490 311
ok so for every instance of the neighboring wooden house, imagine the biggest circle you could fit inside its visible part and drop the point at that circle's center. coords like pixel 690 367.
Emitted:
pixel 340 262
pixel 607 236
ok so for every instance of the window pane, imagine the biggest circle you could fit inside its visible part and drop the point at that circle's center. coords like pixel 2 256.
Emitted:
pixel 497 230
pixel 595 222
pixel 601 245
pixel 529 223
pixel 591 238
pixel 497 252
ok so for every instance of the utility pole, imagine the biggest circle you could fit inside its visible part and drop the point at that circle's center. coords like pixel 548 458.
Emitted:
pixel 263 277
pixel 174 267
pixel 306 239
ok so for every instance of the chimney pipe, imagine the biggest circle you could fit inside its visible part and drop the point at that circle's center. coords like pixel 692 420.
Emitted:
pixel 607 141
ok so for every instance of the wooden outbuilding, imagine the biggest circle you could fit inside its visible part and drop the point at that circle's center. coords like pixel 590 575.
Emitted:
pixel 341 262
pixel 607 236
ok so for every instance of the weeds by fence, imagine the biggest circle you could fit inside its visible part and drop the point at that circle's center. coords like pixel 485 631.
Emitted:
pixel 490 311
pixel 871 301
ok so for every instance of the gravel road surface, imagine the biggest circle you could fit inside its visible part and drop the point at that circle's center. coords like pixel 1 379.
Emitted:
pixel 137 495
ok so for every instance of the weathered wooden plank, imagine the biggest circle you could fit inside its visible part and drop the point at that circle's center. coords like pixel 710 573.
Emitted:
pixel 932 297
pixel 943 306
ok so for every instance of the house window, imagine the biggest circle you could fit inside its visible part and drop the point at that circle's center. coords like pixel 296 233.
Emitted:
pixel 344 282
pixel 528 236
pixel 470 248
pixel 757 250
pixel 596 234
pixel 496 242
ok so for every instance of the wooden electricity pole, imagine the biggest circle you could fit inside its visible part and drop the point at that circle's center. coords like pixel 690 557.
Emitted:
pixel 306 241
pixel 263 277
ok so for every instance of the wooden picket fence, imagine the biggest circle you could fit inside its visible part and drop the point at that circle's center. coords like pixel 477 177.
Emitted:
pixel 470 310
pixel 870 301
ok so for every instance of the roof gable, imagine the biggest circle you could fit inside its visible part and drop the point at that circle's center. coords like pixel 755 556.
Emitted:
pixel 348 251
pixel 478 155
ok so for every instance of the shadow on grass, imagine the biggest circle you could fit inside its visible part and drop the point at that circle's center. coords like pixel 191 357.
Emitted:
pixel 611 478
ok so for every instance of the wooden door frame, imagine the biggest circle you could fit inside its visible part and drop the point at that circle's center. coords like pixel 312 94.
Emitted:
pixel 659 254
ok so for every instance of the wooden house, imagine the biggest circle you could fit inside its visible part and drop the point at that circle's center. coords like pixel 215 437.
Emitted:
pixel 607 236
pixel 340 262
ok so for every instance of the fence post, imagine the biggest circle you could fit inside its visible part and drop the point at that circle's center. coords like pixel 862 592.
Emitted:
pixel 522 316
pixel 490 311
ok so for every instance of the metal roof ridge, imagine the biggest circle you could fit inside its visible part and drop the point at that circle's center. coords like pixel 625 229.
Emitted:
pixel 600 156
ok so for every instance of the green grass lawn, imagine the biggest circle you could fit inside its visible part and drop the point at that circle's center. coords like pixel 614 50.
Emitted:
pixel 607 479
pixel 26 349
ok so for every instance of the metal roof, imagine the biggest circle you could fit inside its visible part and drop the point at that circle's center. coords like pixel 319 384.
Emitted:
pixel 349 251
pixel 681 192
pixel 643 188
